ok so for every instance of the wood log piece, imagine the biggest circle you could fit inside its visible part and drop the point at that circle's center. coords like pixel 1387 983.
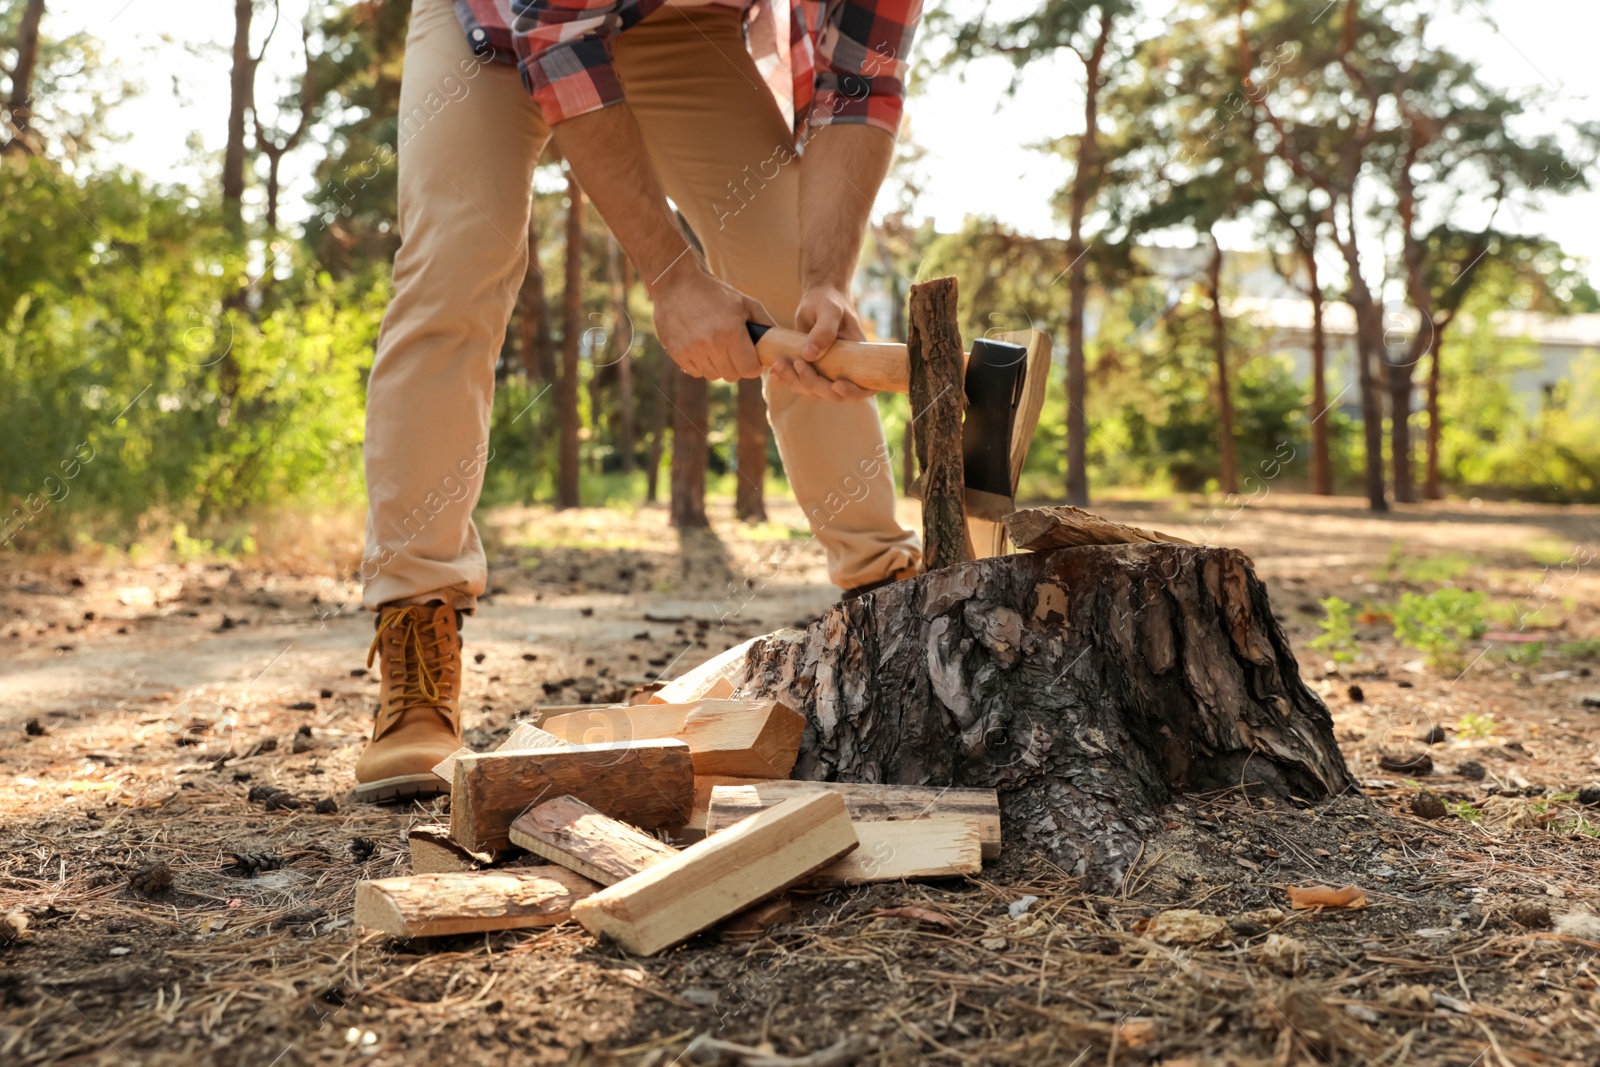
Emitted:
pixel 709 679
pixel 602 849
pixel 722 875
pixel 740 738
pixel 704 788
pixel 933 344
pixel 752 923
pixel 432 905
pixel 730 801
pixel 1087 686
pixel 647 783
pixel 523 735
pixel 433 852
pixel 942 846
pixel 1039 529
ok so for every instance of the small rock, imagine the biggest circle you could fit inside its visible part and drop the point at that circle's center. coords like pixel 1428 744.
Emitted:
pixel 151 879
pixel 1471 769
pixel 700 998
pixel 993 944
pixel 1417 764
pixel 325 694
pixel 120 950
pixel 477 657
pixel 1534 914
pixel 1435 736
pixel 1428 806
pixel 303 741
pixel 33 728
pixel 1355 693
pixel 326 806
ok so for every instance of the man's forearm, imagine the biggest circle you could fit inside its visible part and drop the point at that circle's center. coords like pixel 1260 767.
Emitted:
pixel 840 173
pixel 607 153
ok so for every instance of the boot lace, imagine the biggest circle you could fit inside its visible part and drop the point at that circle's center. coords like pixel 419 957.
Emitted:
pixel 417 679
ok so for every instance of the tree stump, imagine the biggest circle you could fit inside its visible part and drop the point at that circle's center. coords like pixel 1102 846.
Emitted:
pixel 1087 685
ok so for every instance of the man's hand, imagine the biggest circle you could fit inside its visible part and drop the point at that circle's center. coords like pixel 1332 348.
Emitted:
pixel 701 323
pixel 825 314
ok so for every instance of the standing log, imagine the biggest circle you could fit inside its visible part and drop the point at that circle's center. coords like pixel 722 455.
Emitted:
pixel 934 346
pixel 1086 685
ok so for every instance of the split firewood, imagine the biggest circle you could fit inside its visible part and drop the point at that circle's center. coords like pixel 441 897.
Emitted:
pixel 941 846
pixel 710 679
pixel 722 875
pixel 433 852
pixel 524 736
pixel 430 905
pixel 867 803
pixel 569 832
pixel 647 783
pixel 739 738
pixel 705 784
pixel 1039 529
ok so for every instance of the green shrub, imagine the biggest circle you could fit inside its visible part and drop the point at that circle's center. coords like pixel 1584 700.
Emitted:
pixel 1439 624
pixel 1338 639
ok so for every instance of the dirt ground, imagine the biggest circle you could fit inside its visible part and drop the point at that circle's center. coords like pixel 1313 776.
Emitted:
pixel 140 705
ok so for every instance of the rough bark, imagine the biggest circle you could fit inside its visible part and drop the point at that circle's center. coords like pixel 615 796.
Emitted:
pixel 690 450
pixel 1085 180
pixel 749 501
pixel 933 344
pixel 571 331
pixel 1086 685
pixel 1228 466
pixel 19 106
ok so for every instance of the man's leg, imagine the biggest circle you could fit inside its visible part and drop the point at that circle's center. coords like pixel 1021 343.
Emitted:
pixel 469 138
pixel 725 156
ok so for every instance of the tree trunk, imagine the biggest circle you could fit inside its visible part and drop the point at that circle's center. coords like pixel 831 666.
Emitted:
pixel 19 107
pixel 690 450
pixel 1085 179
pixel 533 313
pixel 1228 470
pixel 1087 685
pixel 749 500
pixel 1431 489
pixel 665 378
pixel 1399 381
pixel 621 338
pixel 908 457
pixel 571 330
pixel 239 95
pixel 1321 458
pixel 933 345
pixel 1369 341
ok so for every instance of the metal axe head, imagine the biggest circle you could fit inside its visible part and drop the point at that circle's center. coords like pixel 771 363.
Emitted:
pixel 996 372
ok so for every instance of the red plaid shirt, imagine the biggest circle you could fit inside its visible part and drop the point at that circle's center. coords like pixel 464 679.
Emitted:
pixel 845 60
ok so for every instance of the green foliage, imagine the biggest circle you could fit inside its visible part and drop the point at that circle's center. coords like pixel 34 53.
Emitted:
pixel 1475 725
pixel 1527 656
pixel 1338 638
pixel 1439 624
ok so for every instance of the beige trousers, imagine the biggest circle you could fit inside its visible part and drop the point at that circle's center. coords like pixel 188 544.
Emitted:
pixel 469 139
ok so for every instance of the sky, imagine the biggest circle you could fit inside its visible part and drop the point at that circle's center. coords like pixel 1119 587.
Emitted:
pixel 975 129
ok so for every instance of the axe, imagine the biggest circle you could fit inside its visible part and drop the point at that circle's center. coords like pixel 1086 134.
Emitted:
pixel 1004 385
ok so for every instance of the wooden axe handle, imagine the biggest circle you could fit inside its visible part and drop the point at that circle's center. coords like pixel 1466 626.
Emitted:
pixel 882 368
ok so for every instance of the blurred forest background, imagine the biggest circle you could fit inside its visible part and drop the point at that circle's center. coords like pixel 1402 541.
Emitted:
pixel 180 366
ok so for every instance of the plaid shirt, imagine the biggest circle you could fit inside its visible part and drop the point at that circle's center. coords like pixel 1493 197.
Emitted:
pixel 845 60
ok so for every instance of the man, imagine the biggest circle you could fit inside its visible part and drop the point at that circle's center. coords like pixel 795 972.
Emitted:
pixel 646 101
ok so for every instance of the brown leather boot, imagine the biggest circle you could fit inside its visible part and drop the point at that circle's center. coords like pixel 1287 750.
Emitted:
pixel 418 649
